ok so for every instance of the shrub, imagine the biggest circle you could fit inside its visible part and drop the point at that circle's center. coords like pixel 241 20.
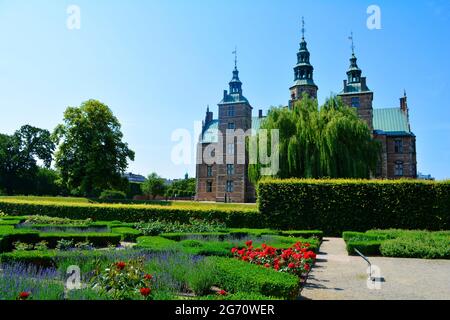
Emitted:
pixel 99 240
pixel 43 259
pixel 238 276
pixel 425 246
pixel 233 216
pixel 335 206
pixel 156 244
pixel 113 195
pixel 366 247
pixel 201 279
pixel 127 234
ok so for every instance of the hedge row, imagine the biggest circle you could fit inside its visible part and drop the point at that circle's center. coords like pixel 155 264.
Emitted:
pixel 238 276
pixel 132 213
pixel 335 206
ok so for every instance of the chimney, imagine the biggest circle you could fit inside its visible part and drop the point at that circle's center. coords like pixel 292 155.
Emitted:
pixel 363 83
pixel 404 104
pixel 260 114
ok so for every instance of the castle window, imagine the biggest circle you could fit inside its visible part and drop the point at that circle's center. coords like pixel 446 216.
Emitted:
pixel 231 111
pixel 231 126
pixel 209 186
pixel 209 171
pixel 398 146
pixel 230 186
pixel 399 169
pixel 230 148
pixel 230 169
pixel 356 102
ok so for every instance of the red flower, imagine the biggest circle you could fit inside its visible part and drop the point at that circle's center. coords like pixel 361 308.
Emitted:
pixel 249 243
pixel 307 267
pixel 277 267
pixel 234 250
pixel 145 292
pixel 148 277
pixel 291 265
pixel 121 265
pixel 24 295
pixel 267 265
pixel 222 293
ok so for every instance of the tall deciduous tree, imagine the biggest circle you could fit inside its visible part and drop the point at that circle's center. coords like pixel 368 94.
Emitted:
pixel 331 141
pixel 91 155
pixel 154 186
pixel 19 154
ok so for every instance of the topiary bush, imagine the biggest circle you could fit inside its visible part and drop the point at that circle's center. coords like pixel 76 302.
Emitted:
pixel 112 195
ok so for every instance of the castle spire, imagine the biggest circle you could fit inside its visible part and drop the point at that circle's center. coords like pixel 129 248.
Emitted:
pixel 303 72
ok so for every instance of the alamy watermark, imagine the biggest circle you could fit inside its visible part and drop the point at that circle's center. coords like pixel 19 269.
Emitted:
pixel 73 21
pixel 374 19
pixel 234 146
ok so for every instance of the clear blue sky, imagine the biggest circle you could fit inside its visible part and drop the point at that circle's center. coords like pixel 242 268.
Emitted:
pixel 157 64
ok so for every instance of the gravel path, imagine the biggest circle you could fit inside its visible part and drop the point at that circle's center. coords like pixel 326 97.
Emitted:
pixel 338 276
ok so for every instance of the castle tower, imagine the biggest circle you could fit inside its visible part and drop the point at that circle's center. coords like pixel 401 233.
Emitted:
pixel 235 121
pixel 303 74
pixel 356 93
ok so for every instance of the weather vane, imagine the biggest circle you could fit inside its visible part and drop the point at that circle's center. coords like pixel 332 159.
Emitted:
pixel 235 57
pixel 353 44
pixel 303 28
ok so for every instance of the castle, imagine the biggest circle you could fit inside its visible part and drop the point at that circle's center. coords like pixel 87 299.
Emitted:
pixel 225 177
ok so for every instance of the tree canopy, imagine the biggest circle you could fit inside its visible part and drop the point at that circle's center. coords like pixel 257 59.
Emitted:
pixel 19 156
pixel 331 141
pixel 91 155
pixel 154 186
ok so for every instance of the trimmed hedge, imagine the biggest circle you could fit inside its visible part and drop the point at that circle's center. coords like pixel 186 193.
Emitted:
pixel 126 233
pixel 97 239
pixel 232 217
pixel 38 258
pixel 366 247
pixel 335 206
pixel 238 276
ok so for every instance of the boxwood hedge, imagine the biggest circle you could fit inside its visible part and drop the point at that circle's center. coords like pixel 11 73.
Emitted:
pixel 335 206
pixel 232 217
pixel 237 276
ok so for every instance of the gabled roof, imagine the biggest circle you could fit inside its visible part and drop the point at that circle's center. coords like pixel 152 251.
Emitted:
pixel 391 121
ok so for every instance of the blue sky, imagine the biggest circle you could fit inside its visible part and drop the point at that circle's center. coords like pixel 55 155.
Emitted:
pixel 158 64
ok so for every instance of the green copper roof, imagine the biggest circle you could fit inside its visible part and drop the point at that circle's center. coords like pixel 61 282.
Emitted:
pixel 210 135
pixel 391 120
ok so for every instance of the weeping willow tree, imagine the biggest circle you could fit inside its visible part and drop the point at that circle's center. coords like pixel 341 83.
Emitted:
pixel 327 142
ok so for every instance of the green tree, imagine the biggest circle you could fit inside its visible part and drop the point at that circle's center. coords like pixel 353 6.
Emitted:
pixel 19 155
pixel 154 186
pixel 184 186
pixel 91 155
pixel 331 141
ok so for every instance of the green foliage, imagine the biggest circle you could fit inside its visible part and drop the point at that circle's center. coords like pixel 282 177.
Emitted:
pixel 335 206
pixel 400 243
pixel 420 245
pixel 232 216
pixel 154 186
pixel 237 276
pixel 182 188
pixel 112 195
pixel 314 143
pixel 240 296
pixel 123 281
pixel 19 172
pixel 43 259
pixel 127 234
pixel 155 228
pixel 156 244
pixel 98 240
pixel 201 278
pixel 91 154
pixel 56 221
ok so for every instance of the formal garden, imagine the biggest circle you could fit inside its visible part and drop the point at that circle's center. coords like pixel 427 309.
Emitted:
pixel 197 251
